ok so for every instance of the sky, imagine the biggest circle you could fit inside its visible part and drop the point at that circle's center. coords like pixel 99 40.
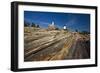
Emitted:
pixel 73 21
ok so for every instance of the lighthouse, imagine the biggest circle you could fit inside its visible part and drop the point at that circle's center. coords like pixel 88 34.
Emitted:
pixel 52 26
pixel 52 23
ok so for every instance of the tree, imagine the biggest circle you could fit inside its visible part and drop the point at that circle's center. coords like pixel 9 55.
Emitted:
pixel 57 28
pixel 38 26
pixel 76 30
pixel 33 25
pixel 85 32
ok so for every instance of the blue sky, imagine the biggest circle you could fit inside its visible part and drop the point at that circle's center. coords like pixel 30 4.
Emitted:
pixel 73 21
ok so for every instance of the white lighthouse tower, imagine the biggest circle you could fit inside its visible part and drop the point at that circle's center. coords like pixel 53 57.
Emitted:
pixel 52 26
pixel 52 23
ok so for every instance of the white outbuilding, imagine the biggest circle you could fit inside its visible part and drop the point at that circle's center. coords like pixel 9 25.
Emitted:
pixel 64 27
